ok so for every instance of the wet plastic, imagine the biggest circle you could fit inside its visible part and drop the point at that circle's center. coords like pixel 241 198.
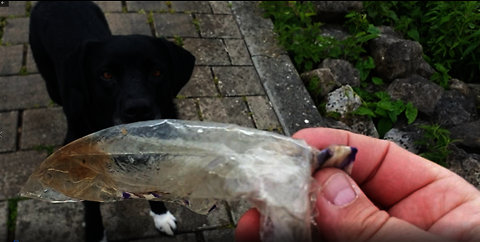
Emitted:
pixel 194 164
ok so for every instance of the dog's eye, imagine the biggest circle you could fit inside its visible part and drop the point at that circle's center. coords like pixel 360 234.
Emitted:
pixel 156 73
pixel 107 75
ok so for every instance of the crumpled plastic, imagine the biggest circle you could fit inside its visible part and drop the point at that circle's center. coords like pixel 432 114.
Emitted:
pixel 194 164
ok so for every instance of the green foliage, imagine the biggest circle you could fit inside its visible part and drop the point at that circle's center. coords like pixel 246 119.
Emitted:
pixel 297 32
pixel 12 214
pixel 434 143
pixel 448 31
pixel 302 37
pixel 45 148
pixel 384 111
pixel 178 40
pixel 3 23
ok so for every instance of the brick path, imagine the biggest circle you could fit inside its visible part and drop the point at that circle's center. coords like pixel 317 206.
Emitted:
pixel 241 76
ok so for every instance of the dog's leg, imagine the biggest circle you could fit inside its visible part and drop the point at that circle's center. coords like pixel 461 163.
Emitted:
pixel 94 230
pixel 164 220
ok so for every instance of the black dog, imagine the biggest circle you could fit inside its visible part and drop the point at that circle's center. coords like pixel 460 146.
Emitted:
pixel 103 80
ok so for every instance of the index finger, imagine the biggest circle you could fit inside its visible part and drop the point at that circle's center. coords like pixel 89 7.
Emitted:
pixel 384 171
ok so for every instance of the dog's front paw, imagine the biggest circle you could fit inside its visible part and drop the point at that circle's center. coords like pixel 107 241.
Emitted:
pixel 164 222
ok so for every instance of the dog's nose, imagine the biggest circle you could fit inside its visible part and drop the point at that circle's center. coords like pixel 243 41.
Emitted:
pixel 137 110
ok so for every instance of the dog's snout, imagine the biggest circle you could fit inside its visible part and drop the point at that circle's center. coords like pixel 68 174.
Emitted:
pixel 137 110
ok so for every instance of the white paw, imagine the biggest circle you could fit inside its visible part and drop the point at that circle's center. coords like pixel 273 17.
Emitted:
pixel 164 222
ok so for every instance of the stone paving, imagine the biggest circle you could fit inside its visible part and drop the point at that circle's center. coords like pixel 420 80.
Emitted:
pixel 241 76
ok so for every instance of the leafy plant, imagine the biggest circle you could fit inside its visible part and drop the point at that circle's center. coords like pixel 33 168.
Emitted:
pixel 303 39
pixel 384 110
pixel 448 31
pixel 434 143
pixel 297 33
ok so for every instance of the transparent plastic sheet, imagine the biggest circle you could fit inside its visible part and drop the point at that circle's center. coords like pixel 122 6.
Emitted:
pixel 194 164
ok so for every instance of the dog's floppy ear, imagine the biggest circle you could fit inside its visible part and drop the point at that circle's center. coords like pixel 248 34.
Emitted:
pixel 181 64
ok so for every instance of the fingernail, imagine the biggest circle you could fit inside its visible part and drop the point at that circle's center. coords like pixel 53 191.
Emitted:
pixel 338 190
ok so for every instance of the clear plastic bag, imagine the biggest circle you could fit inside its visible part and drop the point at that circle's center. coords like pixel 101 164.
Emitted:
pixel 198 162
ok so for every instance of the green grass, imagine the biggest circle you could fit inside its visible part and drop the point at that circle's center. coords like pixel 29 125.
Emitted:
pixel 3 23
pixel 434 143
pixel 178 40
pixel 23 71
pixel 12 216
pixel 45 148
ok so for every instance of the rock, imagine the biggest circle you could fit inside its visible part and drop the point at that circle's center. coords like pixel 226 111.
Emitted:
pixel 335 11
pixel 321 79
pixel 343 71
pixel 423 93
pixel 468 135
pixel 334 31
pixel 343 101
pixel 460 86
pixel 335 124
pixel 362 125
pixel 454 108
pixel 398 58
pixel 404 139
pixel 389 31
pixel 464 164
pixel 475 89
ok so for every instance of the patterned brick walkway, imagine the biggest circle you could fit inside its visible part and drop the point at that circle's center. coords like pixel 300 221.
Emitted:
pixel 241 76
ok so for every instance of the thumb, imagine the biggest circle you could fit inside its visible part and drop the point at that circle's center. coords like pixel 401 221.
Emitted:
pixel 346 214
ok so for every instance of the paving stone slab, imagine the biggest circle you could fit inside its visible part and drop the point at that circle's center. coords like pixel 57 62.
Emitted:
pixel 43 127
pixel 220 7
pixel 16 31
pixel 128 219
pixel 128 23
pixel 250 18
pixel 110 6
pixel 219 235
pixel 11 59
pixel 238 80
pixel 218 26
pixel 43 221
pixel 263 113
pixel 147 6
pixel 3 220
pixel 207 51
pixel 15 8
pixel 264 45
pixel 15 168
pixel 191 6
pixel 174 24
pixel 188 221
pixel 31 65
pixel 287 93
pixel 225 110
pixel 8 131
pixel 20 92
pixel 189 237
pixel 238 52
pixel 201 84
pixel 187 109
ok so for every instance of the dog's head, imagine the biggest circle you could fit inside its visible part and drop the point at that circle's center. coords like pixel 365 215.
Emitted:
pixel 127 79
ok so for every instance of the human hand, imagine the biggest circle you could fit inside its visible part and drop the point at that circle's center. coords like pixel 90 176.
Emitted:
pixel 392 195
